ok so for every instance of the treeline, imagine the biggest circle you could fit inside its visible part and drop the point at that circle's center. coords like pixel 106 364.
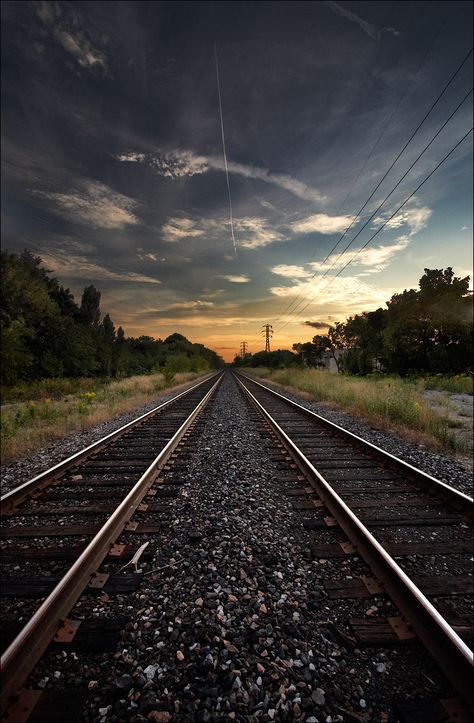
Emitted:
pixel 428 329
pixel 45 333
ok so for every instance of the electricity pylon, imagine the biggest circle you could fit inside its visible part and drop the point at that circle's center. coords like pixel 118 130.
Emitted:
pixel 267 329
pixel 243 349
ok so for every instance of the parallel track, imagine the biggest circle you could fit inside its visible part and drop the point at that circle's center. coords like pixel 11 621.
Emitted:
pixel 121 469
pixel 370 493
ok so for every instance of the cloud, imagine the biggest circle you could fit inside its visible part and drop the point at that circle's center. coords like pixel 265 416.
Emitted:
pixel 197 304
pixel 70 266
pixel 252 232
pixel 236 279
pixel 317 324
pixel 284 181
pixel 365 26
pixel 92 203
pixel 181 163
pixel 176 229
pixel 131 157
pixel 415 217
pixel 292 272
pixel 341 288
pixel 321 223
pixel 377 258
pixel 65 28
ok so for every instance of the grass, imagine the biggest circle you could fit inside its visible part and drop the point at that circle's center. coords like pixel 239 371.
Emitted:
pixel 458 384
pixel 51 388
pixel 386 401
pixel 27 426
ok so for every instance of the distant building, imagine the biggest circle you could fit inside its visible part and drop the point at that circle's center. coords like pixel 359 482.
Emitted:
pixel 328 361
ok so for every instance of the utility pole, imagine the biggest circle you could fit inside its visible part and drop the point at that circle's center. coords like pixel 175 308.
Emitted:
pixel 243 349
pixel 267 329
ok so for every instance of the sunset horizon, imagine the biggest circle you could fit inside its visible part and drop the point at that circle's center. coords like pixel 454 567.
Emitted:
pixel 208 179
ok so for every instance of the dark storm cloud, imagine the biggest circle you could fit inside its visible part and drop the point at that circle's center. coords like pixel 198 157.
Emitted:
pixel 317 324
pixel 112 156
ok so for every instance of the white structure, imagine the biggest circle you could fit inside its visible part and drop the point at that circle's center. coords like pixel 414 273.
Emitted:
pixel 328 361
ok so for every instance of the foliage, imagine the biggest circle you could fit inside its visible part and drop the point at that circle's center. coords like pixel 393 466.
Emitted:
pixel 384 400
pixel 30 425
pixel 274 359
pixel 425 330
pixel 46 335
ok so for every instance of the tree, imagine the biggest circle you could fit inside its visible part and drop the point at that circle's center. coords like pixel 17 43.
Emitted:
pixel 90 307
pixel 309 353
pixel 106 332
pixel 364 342
pixel 431 329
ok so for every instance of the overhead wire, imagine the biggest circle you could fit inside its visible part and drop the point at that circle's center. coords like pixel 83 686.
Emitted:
pixel 383 131
pixel 427 114
pixel 440 129
pixel 398 209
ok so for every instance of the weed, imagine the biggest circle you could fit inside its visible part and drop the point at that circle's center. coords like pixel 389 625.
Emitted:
pixel 385 400
pixel 30 425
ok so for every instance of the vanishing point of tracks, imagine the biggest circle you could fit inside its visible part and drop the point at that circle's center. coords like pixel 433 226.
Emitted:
pixel 95 509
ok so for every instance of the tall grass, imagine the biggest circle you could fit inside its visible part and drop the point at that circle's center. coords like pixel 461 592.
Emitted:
pixel 458 384
pixel 28 426
pixel 385 401
pixel 51 388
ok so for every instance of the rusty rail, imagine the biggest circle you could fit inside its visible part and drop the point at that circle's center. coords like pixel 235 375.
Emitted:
pixel 448 649
pixel 24 652
pixel 450 494
pixel 11 499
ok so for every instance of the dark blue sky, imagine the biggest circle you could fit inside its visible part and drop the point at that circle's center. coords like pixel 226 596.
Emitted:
pixel 113 167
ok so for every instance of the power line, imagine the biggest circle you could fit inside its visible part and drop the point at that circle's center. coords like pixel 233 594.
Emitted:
pixel 394 112
pixel 399 181
pixel 434 104
pixel 440 163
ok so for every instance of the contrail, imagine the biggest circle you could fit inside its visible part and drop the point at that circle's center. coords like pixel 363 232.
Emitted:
pixel 225 155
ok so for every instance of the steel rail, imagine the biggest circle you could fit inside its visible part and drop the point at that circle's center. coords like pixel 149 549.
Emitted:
pixel 24 652
pixel 450 493
pixel 9 500
pixel 451 653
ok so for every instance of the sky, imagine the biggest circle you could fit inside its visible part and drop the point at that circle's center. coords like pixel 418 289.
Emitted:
pixel 114 170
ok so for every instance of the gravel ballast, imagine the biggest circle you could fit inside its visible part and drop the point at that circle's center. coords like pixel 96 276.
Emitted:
pixel 235 624
pixel 16 473
pixel 442 467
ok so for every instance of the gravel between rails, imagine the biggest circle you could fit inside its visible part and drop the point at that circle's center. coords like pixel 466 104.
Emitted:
pixel 447 469
pixel 24 469
pixel 233 627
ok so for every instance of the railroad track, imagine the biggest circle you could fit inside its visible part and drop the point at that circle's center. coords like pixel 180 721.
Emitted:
pixel 386 509
pixel 91 510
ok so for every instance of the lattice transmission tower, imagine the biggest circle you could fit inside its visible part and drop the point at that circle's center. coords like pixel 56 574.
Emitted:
pixel 267 330
pixel 243 349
